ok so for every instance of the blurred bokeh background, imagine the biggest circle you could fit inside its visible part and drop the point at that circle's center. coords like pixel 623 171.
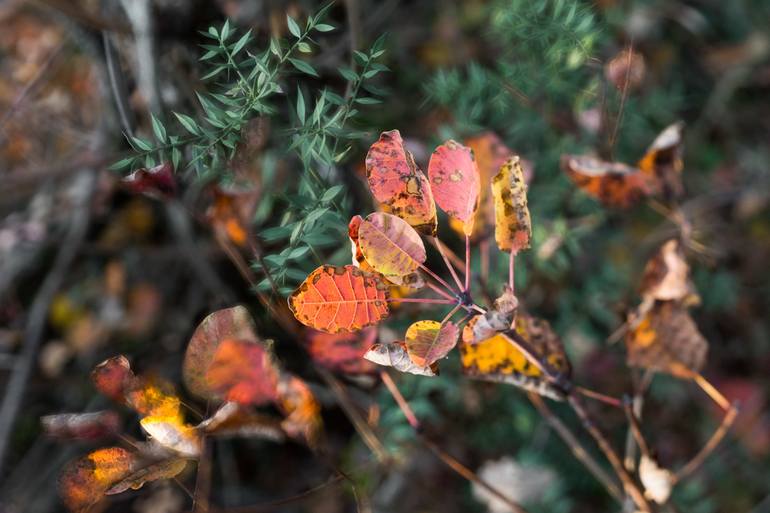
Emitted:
pixel 89 269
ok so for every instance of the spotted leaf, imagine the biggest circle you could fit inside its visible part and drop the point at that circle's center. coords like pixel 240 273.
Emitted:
pixel 390 245
pixel 393 354
pixel 398 184
pixel 513 227
pixel 455 182
pixel 84 482
pixel 339 299
pixel 429 341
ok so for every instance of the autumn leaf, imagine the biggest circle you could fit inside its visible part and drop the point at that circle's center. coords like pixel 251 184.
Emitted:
pixel 496 359
pixel 230 323
pixel 429 341
pixel 666 339
pixel 663 161
pixel 232 420
pixel 231 213
pixel 173 434
pixel 242 371
pixel 667 276
pixel 84 482
pixel 398 184
pixel 612 183
pixel 497 319
pixel 339 299
pixel 154 397
pixel 341 352
pixel 393 354
pixel 390 245
pixel 303 413
pixel 158 181
pixel 113 377
pixel 513 227
pixel 167 469
pixel 455 182
pixel 85 426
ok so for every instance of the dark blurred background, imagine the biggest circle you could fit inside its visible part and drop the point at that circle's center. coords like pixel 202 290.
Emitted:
pixel 88 270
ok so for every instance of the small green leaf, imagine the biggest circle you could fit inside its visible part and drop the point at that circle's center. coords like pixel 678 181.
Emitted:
pixel 275 47
pixel 348 74
pixel 300 106
pixel 304 47
pixel 141 144
pixel 225 30
pixel 122 164
pixel 331 193
pixel 158 129
pixel 298 253
pixel 188 123
pixel 324 27
pixel 241 42
pixel 293 27
pixel 368 101
pixel 303 66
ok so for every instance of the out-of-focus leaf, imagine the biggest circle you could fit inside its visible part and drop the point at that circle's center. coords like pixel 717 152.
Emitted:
pixel 393 354
pixel 342 352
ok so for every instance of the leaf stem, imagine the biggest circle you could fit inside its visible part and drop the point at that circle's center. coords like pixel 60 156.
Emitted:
pixel 426 300
pixel 511 260
pixel 592 394
pixel 437 278
pixel 712 392
pixel 449 265
pixel 467 264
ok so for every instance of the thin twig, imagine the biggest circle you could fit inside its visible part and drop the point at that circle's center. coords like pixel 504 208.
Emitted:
pixel 425 300
pixel 712 392
pixel 446 458
pixel 83 187
pixel 203 480
pixel 467 264
pixel 511 260
pixel 636 429
pixel 576 447
pixel 437 243
pixel 606 399
pixel 631 488
pixel 439 291
pixel 710 446
pixel 623 97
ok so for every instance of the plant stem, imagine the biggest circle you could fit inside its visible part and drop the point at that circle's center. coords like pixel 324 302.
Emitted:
pixel 576 447
pixel 450 314
pixel 445 458
pixel 712 392
pixel 437 278
pixel 440 292
pixel 636 429
pixel 631 488
pixel 710 446
pixel 426 300
pixel 467 264
pixel 511 260
pixel 449 265
pixel 592 394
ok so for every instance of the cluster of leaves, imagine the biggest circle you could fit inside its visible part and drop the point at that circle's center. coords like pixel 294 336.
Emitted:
pixel 244 85
pixel 225 363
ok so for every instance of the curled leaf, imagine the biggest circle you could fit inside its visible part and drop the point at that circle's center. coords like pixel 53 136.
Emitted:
pixel 612 183
pixel 390 245
pixel 663 161
pixel 339 299
pixel 513 227
pixel 398 184
pixel 231 420
pixel 86 426
pixel 173 434
pixel 455 182
pixel 429 341
pixel 230 323
pixel 667 276
pixel 666 339
pixel 496 359
pixel 167 469
pixel 393 354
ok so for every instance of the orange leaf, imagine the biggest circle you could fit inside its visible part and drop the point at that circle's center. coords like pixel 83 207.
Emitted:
pixel 398 184
pixel 612 183
pixel 429 341
pixel 496 359
pixel 666 339
pixel 231 323
pixel 231 212
pixel 242 371
pixel 154 397
pixel 342 352
pixel 455 182
pixel 513 227
pixel 338 299
pixel 393 354
pixel 390 245
pixel 83 482
pixel 663 161
pixel 113 377
pixel 303 413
